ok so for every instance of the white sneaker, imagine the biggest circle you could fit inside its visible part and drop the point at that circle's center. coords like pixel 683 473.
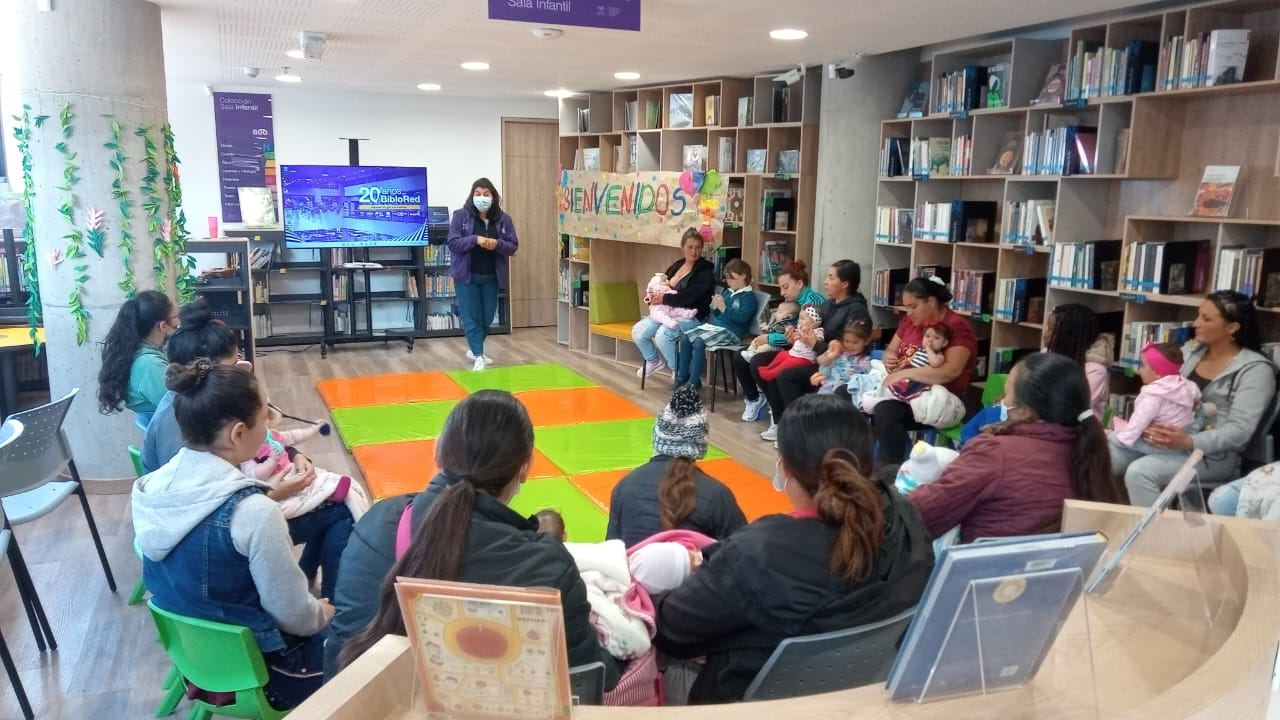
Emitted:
pixel 752 408
pixel 472 356
pixel 479 365
pixel 651 366
pixel 770 434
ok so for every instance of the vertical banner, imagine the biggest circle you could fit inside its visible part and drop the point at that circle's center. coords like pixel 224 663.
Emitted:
pixel 246 147
pixel 607 14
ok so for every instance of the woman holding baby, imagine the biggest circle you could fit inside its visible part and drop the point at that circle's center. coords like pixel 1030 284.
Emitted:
pixel 690 283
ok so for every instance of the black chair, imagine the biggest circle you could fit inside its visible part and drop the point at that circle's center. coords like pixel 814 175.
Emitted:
pixel 587 682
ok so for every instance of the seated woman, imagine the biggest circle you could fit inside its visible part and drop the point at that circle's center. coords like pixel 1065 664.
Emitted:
pixel 214 545
pixel 734 309
pixel 670 491
pixel 926 300
pixel 852 552
pixel 462 530
pixel 693 280
pixel 133 363
pixel 1012 479
pixel 793 286
pixel 1226 363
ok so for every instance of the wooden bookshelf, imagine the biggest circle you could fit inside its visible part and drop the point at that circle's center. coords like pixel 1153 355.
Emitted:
pixel 1151 152
pixel 611 127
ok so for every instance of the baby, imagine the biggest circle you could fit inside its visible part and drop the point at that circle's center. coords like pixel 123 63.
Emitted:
pixel 667 316
pixel 801 353
pixel 275 461
pixel 551 523
pixel 845 359
pixel 662 566
pixel 936 338
pixel 783 317
pixel 1166 397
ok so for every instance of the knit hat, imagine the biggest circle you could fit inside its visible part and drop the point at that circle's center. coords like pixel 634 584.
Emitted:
pixel 681 430
pixel 660 567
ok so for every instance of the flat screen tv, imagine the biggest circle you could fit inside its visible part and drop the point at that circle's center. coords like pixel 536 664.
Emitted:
pixel 329 206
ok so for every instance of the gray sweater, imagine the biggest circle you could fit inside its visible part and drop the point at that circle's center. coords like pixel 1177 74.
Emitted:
pixel 1241 393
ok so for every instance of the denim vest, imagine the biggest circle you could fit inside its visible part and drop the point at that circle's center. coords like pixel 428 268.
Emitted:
pixel 206 577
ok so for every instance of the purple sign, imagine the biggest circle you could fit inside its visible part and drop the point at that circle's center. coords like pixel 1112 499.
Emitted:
pixel 607 14
pixel 246 147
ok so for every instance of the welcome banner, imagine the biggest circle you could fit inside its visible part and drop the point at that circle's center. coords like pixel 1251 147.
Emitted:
pixel 648 207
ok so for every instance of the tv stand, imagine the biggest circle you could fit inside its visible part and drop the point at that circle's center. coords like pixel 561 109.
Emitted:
pixel 353 335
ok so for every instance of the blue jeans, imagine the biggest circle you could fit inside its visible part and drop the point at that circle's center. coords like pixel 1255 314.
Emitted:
pixel 1226 498
pixel 477 302
pixel 325 531
pixel 643 333
pixel 669 340
pixel 691 358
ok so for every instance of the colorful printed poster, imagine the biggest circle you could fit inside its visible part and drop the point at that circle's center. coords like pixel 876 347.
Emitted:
pixel 646 207
pixel 487 652
pixel 246 147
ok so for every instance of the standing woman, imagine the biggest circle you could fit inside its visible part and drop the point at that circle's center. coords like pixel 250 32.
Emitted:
pixel 926 300
pixel 694 281
pixel 133 363
pixel 481 239
pixel 793 285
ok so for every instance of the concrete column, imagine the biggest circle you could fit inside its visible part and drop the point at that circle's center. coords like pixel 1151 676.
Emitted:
pixel 101 58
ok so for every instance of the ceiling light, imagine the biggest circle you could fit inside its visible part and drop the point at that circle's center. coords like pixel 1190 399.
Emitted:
pixel 561 93
pixel 627 75
pixel 428 86
pixel 296 54
pixel 788 34
pixel 475 65
pixel 288 77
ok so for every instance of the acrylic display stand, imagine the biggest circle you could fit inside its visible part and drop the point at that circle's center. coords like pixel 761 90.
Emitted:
pixel 1002 633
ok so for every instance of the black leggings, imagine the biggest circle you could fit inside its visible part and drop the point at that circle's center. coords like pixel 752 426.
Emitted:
pixel 790 385
pixel 749 373
pixel 891 421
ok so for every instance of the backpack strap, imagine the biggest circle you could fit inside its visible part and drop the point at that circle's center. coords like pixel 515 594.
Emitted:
pixel 404 530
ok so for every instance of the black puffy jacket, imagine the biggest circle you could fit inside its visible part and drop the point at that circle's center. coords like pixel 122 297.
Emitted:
pixel 633 507
pixel 769 581
pixel 502 549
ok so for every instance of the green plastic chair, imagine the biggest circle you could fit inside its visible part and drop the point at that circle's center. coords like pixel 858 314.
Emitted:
pixel 992 391
pixel 139 590
pixel 217 658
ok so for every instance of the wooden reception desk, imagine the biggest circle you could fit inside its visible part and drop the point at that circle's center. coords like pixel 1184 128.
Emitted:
pixel 1157 645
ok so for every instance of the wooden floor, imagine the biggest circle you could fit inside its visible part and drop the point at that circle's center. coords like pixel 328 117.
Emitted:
pixel 108 664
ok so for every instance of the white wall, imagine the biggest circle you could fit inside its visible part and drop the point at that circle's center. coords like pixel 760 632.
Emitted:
pixel 457 139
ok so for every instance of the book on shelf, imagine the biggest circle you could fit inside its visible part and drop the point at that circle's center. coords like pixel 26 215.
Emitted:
pixel 930 157
pixel 633 153
pixel 260 257
pixel 584 120
pixel 893 157
pixel 961 90
pixel 1217 189
pixel 1252 271
pixel 1009 159
pixel 1013 296
pixel 777 207
pixel 744 111
pixel 894 225
pixel 961 156
pixel 1122 152
pixel 781 102
pixel 1203 59
pixel 410 285
pixel 990 613
pixel 915 101
pixel 590 159
pixel 1168 268
pixel 789 162
pixel 1053 87
pixel 774 255
pixel 1228 50
pixel 262 326
pixel 622 160
pixel 887 286
pixel 629 117
pixel 942 272
pixel 259 291
pixel 435 255
pixel 340 287
pixel 652 114
pixel 734 203
pixel 725 155
pixel 974 291
pixel 1062 150
pixel 756 159
pixel 680 112
pixel 958 221
pixel 695 158
pixel 1138 335
pixel 1096 71
pixel 711 109
pixel 1086 265
pixel 997 91
pixel 441 321
pixel 1081 69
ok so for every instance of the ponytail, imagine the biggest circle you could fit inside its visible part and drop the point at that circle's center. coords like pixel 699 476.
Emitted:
pixel 137 316
pixel 677 493
pixel 1091 477
pixel 434 553
pixel 849 500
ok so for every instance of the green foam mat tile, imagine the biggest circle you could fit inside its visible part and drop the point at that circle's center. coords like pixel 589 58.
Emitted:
pixel 391 423
pixel 584 521
pixel 520 378
pixel 599 446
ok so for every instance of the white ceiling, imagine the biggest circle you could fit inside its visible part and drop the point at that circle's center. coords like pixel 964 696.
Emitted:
pixel 392 45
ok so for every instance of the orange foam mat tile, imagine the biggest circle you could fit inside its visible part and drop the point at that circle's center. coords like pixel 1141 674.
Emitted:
pixel 397 468
pixel 599 485
pixel 578 405
pixel 388 389
pixel 753 491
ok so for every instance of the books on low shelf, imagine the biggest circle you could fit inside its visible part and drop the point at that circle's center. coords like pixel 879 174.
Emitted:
pixel 887 286
pixel 894 160
pixel 895 224
pixel 958 221
pixel 772 202
pixel 774 255
pixel 1203 60
pixel 973 291
pixel 1169 268
pixel 961 90
pixel 1138 335
pixel 1014 299
pixel 1253 271
pixel 1086 265
pixel 1063 150
pixel 1217 189
pixel 1028 223
pixel 961 156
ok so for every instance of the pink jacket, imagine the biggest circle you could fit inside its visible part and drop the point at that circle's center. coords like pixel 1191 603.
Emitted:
pixel 1171 399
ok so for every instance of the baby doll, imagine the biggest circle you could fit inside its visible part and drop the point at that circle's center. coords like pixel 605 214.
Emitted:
pixel 801 353
pixel 1166 397
pixel 275 461
pixel 923 466
pixel 844 360
pixel 661 567
pixel 666 315
pixel 783 317
pixel 936 338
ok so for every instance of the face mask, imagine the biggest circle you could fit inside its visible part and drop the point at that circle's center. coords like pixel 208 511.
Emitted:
pixel 482 203
pixel 1004 411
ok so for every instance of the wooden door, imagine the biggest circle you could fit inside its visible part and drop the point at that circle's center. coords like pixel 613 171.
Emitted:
pixel 529 160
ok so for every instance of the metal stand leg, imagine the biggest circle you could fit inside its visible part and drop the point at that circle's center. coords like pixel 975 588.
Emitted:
pixel 93 526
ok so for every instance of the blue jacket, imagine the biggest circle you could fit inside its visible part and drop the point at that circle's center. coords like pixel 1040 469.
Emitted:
pixel 462 239
pixel 740 311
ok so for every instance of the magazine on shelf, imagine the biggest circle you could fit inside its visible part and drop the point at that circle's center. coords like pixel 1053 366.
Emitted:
pixel 1217 188
pixel 487 651
pixel 990 613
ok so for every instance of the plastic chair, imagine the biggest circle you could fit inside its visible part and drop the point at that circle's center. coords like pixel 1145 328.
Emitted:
pixel 827 662
pixel 10 669
pixel 217 658
pixel 721 358
pixel 1261 449
pixel 140 589
pixel 992 391
pixel 587 682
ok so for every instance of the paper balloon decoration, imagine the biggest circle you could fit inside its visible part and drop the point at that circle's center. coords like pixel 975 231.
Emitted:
pixel 698 177
pixel 708 234
pixel 686 183
pixel 710 183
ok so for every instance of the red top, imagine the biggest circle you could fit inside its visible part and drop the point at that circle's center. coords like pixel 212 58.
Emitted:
pixel 1001 485
pixel 911 339
pixel 809 513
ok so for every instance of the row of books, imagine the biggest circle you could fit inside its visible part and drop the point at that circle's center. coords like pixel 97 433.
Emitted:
pixel 777 208
pixel 1168 268
pixel 972 87
pixel 1253 271
pixel 773 256
pixel 895 224
pixel 961 156
pixel 1121 405
pixel 1096 71
pixel 435 286
pixel 1138 334
pixel 435 255
pixel 929 157
pixel 1203 59
pixel 973 291
pixel 958 221
pixel 1067 150
pixel 887 286
pixel 1028 223
pixel 1020 300
pixel 1086 265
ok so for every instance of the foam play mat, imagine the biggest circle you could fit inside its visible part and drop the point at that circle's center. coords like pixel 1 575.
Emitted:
pixel 586 438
